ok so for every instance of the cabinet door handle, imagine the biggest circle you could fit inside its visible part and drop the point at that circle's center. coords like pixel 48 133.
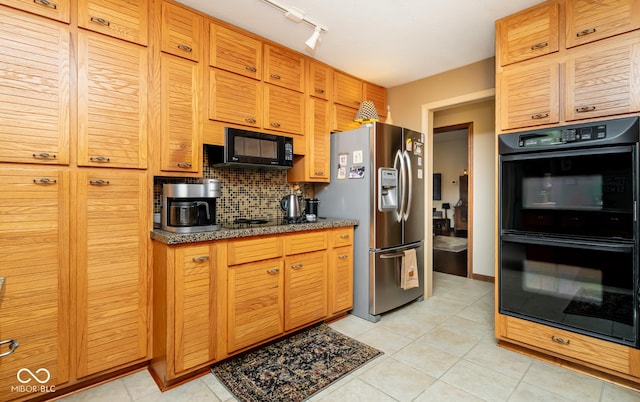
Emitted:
pixel 584 109
pixel 320 90
pixel 296 266
pixel 585 32
pixel 251 68
pixel 273 271
pixel 44 155
pixel 13 345
pixel 185 48
pixel 344 236
pixel 46 3
pixel 539 116
pixel 319 173
pixel 184 165
pixel 250 120
pixel 101 159
pixel 44 180
pixel 539 45
pixel 560 340
pixel 100 21
pixel 201 258
pixel 276 76
pixel 343 256
pixel 99 182
pixel 275 124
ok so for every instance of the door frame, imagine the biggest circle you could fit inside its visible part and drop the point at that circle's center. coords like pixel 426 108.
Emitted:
pixel 427 111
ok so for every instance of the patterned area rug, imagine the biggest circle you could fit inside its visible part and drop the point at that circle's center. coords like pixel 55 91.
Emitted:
pixel 449 243
pixel 294 368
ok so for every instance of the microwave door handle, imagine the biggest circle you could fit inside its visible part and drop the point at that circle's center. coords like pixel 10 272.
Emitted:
pixel 400 159
pixel 409 173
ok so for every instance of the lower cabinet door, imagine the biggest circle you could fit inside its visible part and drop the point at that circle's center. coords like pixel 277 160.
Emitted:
pixel 341 279
pixel 112 303
pixel 255 294
pixel 195 304
pixel 305 288
pixel 34 239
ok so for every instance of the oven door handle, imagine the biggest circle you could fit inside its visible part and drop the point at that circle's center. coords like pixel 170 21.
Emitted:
pixel 569 242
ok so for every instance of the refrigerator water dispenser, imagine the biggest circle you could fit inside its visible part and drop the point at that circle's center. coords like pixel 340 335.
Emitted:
pixel 387 189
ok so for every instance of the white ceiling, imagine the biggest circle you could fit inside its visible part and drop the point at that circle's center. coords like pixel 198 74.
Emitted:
pixel 388 42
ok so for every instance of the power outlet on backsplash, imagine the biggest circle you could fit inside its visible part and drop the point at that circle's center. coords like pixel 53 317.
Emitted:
pixel 246 193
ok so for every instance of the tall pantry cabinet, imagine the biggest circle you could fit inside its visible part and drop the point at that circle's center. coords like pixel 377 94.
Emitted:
pixel 73 216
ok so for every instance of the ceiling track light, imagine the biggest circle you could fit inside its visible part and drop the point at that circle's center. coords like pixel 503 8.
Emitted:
pixel 297 15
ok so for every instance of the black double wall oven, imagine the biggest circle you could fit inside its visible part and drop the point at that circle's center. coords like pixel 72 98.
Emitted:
pixel 568 246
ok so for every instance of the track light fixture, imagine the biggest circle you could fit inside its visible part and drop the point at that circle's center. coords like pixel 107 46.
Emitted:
pixel 297 15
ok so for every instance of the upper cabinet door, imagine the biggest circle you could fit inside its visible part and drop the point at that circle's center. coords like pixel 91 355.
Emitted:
pixel 284 68
pixel 34 89
pixel 347 90
pixel 320 81
pixel 112 102
pixel 54 9
pixel 378 95
pixel 589 20
pixel 235 99
pixel 123 19
pixel 528 34
pixel 235 52
pixel 181 32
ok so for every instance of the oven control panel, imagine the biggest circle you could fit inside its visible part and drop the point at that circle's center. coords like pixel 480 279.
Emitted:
pixel 563 136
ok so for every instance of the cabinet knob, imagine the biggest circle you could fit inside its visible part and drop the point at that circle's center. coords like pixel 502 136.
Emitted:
pixel 44 155
pixel 585 32
pixel 13 345
pixel 44 180
pixel 185 48
pixel 100 21
pixel 539 45
pixel 46 3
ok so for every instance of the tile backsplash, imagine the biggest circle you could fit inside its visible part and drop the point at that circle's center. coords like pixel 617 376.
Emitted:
pixel 246 193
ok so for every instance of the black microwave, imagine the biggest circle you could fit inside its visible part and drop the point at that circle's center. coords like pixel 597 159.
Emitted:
pixel 243 148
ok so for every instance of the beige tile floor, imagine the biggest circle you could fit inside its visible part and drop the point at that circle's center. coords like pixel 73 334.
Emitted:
pixel 442 349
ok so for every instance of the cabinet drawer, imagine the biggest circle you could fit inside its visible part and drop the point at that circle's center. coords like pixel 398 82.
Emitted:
pixel 587 349
pixel 305 242
pixel 342 236
pixel 253 249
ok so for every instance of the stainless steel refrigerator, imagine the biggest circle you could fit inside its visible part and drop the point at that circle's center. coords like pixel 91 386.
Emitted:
pixel 377 177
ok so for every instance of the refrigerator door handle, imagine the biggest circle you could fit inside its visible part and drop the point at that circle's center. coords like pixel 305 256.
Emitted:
pixel 409 175
pixel 399 158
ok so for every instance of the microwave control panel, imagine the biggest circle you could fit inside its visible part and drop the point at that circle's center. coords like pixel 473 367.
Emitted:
pixel 563 136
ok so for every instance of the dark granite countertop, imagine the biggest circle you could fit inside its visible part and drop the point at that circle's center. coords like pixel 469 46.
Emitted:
pixel 178 238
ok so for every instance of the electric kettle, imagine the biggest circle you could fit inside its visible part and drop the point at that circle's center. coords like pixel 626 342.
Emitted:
pixel 290 204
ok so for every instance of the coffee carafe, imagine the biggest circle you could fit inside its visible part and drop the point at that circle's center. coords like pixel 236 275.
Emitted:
pixel 290 204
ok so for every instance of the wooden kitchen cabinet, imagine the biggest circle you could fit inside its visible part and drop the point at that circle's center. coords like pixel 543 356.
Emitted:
pixel 27 86
pixel 341 270
pixel 319 80
pixel 54 9
pixel 34 234
pixel 180 136
pixel 347 91
pixel 588 21
pixel 342 118
pixel 305 287
pixel 283 109
pixel 235 52
pixel 112 102
pixel 122 19
pixel 314 166
pixel 529 96
pixel 284 68
pixel 603 80
pixel 255 303
pixel 185 308
pixel 378 95
pixel 181 32
pixel 235 99
pixel 528 34
pixel 112 303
